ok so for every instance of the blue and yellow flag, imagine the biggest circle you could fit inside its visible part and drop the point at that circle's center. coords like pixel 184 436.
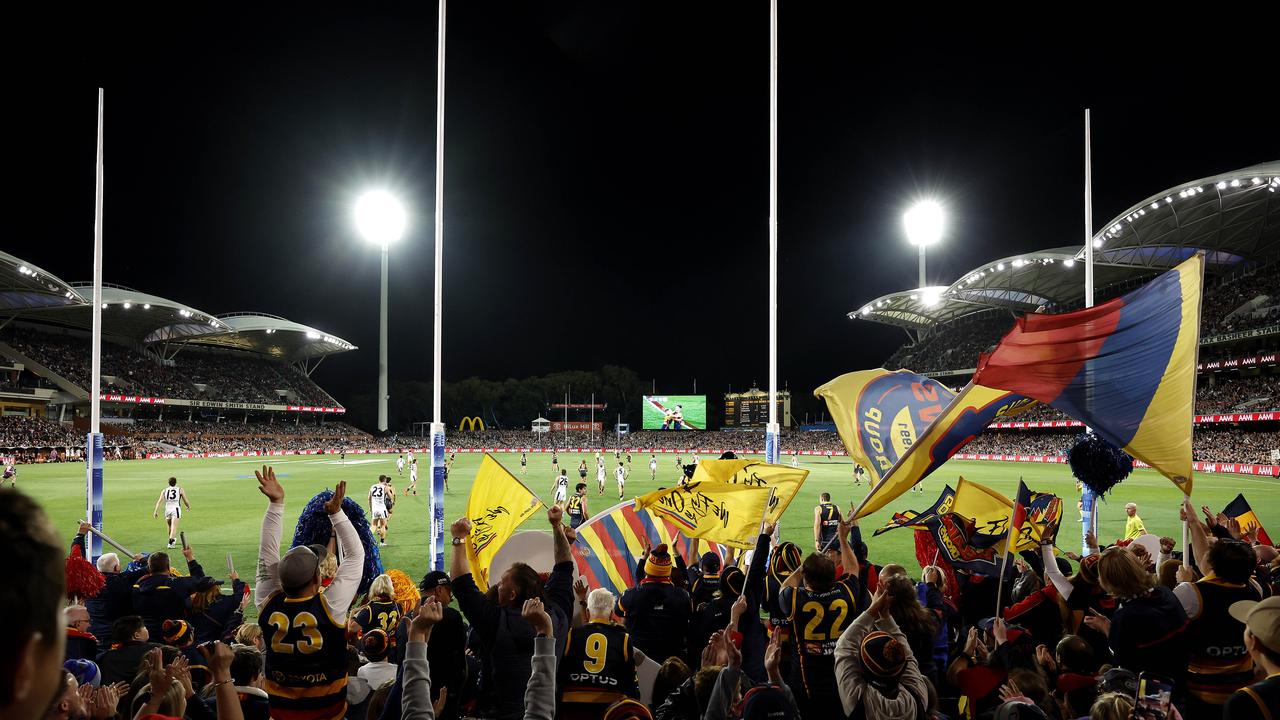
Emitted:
pixel 963 419
pixel 880 413
pixel 498 504
pixel 783 479
pixel 1126 368
pixel 727 513
pixel 611 543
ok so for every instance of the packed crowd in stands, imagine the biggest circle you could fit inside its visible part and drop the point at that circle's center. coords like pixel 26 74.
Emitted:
pixel 1210 443
pixel 1258 393
pixel 223 377
pixel 1230 296
pixel 687 440
pixel 827 631
pixel 20 432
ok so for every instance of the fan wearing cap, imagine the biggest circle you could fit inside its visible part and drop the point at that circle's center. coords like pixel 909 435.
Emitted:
pixel 820 606
pixel 707 581
pixel 657 612
pixel 305 630
pixel 179 635
pixel 875 669
pixel 447 651
pixel 1262 638
pixel 213 613
pixel 783 561
pixel 599 663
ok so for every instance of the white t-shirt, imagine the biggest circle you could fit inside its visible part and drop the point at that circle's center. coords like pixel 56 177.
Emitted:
pixel 400 463
pixel 653 463
pixel 600 473
pixel 621 474
pixel 413 472
pixel 377 673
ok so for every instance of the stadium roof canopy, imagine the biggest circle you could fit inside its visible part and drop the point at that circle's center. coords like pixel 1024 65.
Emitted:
pixel 275 336
pixel 1233 218
pixel 29 293
pixel 24 286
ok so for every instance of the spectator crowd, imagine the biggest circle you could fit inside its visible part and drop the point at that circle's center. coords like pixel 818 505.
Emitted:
pixel 779 631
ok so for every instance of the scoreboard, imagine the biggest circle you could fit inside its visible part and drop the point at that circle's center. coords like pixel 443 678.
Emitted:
pixel 751 409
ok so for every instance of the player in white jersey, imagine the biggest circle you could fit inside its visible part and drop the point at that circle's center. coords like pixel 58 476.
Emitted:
pixel 653 467
pixel 695 458
pixel 378 510
pixel 621 475
pixel 10 473
pixel 400 465
pixel 413 477
pixel 795 461
pixel 561 488
pixel 600 478
pixel 171 497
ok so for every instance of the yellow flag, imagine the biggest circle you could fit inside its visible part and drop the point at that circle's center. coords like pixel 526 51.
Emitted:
pixel 991 513
pixel 499 503
pixel 727 513
pixel 785 481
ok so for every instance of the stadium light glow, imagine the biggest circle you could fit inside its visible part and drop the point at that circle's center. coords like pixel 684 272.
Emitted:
pixel 1069 262
pixel 146 306
pixel 1097 242
pixel 128 305
pixel 1235 183
pixel 924 223
pixel 380 218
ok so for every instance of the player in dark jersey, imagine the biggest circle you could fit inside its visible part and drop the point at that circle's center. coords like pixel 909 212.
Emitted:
pixel 382 612
pixel 826 519
pixel 819 606
pixel 305 632
pixel 582 469
pixel 524 463
pixel 599 664
pixel 577 508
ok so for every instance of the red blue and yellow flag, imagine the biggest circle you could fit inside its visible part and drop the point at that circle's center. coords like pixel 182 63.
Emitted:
pixel 1240 510
pixel 610 544
pixel 1127 368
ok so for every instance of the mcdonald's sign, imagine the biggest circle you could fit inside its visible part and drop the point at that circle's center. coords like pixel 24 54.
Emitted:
pixel 469 424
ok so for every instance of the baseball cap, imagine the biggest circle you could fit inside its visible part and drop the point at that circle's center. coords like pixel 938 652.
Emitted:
pixel 1262 619
pixel 1019 710
pixel 710 562
pixel 433 580
pixel 298 567
pixel 627 709
pixel 207 583
pixel 1118 680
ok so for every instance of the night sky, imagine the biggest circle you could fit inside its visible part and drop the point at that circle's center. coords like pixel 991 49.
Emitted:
pixel 606 167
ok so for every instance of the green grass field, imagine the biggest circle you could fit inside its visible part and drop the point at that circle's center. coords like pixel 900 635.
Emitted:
pixel 227 507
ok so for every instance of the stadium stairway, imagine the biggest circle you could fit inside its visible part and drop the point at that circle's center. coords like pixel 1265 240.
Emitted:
pixel 44 372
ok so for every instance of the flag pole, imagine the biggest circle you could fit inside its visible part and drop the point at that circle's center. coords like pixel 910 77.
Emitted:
pixel 1000 580
pixel 763 517
pixel 773 430
pixel 436 496
pixel 1092 510
pixel 1195 383
pixel 93 442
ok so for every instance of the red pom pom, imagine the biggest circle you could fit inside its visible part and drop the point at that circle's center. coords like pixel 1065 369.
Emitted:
pixel 83 579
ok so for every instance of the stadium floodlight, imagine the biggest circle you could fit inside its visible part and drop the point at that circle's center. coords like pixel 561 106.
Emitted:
pixel 924 223
pixel 380 218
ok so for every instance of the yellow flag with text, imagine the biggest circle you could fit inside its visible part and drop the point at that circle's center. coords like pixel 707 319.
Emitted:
pixel 499 503
pixel 784 480
pixel 727 513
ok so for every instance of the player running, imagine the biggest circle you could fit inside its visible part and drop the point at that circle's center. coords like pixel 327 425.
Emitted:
pixel 621 475
pixel 600 478
pixel 378 510
pixel 859 473
pixel 561 488
pixel 413 477
pixel 653 467
pixel 577 509
pixel 10 473
pixel 171 496
pixel 400 465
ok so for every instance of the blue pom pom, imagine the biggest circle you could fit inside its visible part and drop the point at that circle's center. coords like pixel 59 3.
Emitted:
pixel 136 565
pixel 314 528
pixel 1097 463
